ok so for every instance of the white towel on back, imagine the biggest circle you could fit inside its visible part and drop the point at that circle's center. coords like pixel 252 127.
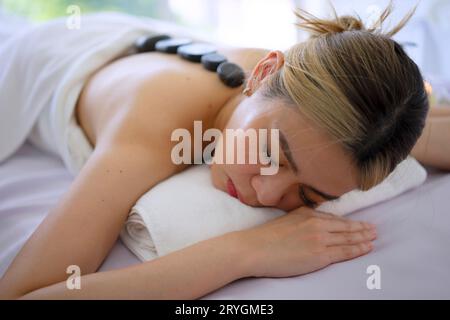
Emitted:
pixel 43 69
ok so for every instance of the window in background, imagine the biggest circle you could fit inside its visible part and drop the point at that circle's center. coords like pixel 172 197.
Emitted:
pixel 41 10
pixel 428 28
pixel 248 23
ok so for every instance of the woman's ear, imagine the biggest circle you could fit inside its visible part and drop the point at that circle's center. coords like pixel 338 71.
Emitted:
pixel 265 67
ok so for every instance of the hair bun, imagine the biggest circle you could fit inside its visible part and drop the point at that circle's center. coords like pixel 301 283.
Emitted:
pixel 349 23
pixel 317 26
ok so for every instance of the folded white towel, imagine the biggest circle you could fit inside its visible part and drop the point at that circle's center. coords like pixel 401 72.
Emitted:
pixel 407 175
pixel 186 209
pixel 183 210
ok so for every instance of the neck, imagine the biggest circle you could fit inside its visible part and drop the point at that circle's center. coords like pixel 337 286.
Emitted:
pixel 247 58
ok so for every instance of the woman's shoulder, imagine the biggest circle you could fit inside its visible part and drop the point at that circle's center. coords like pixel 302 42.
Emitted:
pixel 246 57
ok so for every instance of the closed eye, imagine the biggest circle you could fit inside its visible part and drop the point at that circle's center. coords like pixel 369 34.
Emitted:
pixel 308 202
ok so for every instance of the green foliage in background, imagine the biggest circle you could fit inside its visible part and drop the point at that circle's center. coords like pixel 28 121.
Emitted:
pixel 41 10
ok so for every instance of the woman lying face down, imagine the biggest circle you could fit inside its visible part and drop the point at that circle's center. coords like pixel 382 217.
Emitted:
pixel 349 105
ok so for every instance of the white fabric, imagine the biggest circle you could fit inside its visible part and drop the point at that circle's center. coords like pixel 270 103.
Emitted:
pixel 158 225
pixel 200 212
pixel 43 70
pixel 408 174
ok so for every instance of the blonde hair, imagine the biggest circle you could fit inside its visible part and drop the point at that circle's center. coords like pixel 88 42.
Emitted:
pixel 359 86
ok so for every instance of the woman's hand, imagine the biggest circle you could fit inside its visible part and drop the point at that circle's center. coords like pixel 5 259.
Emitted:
pixel 303 241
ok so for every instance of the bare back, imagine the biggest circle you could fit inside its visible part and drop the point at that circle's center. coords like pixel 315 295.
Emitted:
pixel 156 92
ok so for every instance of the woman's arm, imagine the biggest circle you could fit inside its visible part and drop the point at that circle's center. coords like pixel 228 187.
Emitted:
pixel 433 147
pixel 297 243
pixel 85 224
pixel 185 274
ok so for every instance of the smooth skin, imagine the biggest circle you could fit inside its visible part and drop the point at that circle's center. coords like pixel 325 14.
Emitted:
pixel 128 111
pixel 433 147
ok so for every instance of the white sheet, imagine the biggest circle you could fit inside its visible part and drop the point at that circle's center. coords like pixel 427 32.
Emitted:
pixel 411 250
pixel 31 182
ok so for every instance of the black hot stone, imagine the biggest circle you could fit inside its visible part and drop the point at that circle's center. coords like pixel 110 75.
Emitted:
pixel 195 52
pixel 212 61
pixel 171 45
pixel 147 44
pixel 231 74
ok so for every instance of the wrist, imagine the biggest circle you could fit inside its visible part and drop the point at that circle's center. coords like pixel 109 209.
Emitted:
pixel 242 252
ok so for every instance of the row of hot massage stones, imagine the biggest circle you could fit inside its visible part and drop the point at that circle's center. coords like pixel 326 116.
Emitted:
pixel 229 73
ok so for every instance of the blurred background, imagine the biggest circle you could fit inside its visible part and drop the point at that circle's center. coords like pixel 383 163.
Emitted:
pixel 269 23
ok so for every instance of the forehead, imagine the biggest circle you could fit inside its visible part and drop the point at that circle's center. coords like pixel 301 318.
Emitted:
pixel 322 162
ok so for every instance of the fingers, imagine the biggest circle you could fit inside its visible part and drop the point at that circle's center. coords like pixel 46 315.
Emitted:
pixel 347 252
pixel 345 225
pixel 350 238
pixel 326 215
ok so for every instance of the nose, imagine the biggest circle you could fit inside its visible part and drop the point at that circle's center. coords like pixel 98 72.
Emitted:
pixel 271 189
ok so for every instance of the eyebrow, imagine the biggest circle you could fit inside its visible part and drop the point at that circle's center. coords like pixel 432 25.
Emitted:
pixel 287 151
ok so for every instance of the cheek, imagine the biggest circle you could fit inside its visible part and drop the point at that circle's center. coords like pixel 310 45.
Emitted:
pixel 240 170
pixel 236 153
pixel 247 115
pixel 215 175
pixel 291 199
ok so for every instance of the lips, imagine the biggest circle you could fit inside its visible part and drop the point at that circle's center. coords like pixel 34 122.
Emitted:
pixel 232 189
